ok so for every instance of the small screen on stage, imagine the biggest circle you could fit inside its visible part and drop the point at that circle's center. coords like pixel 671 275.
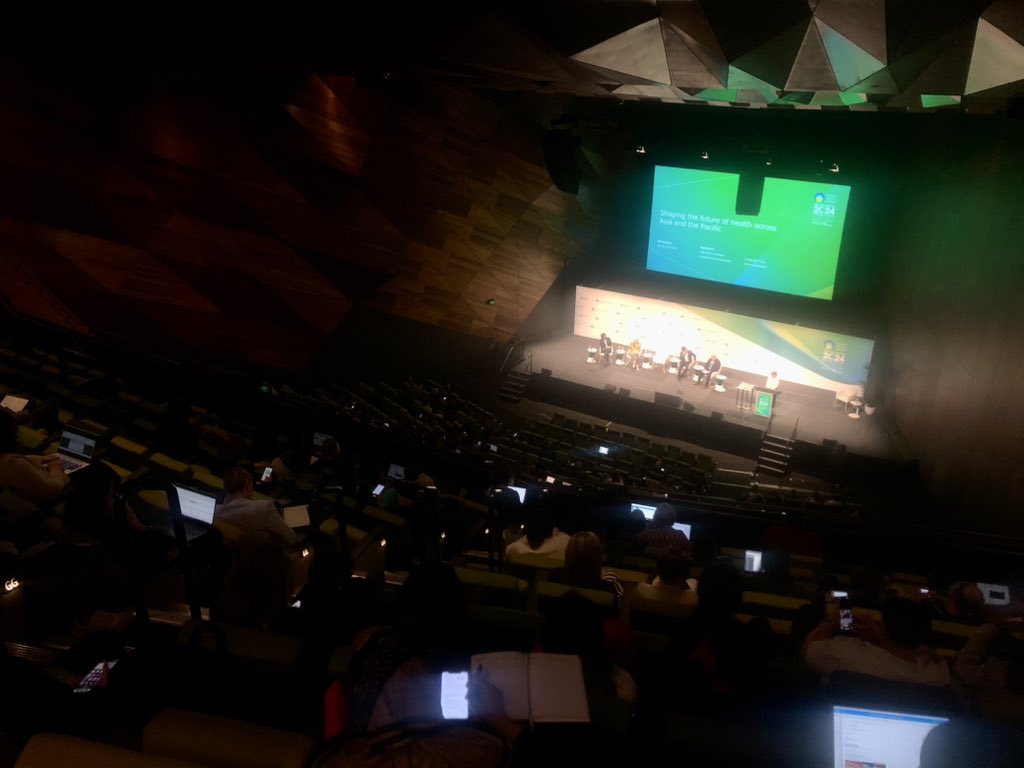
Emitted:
pixel 791 245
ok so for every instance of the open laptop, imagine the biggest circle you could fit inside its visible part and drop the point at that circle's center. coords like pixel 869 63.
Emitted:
pixel 191 511
pixel 684 527
pixel 296 516
pixel 520 491
pixel 396 472
pixel 995 594
pixel 867 737
pixel 14 404
pixel 76 450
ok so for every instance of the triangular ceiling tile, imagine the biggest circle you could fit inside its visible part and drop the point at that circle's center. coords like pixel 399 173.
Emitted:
pixel 998 59
pixel 811 69
pixel 742 26
pixel 881 82
pixel 911 26
pixel 773 60
pixel 687 19
pixel 685 67
pixel 746 81
pixel 718 94
pixel 639 51
pixel 860 21
pixel 931 101
pixel 1007 16
pixel 850 63
pixel 947 72
pixel 907 69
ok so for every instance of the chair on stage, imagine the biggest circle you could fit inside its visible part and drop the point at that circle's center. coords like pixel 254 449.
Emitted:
pixel 620 355
pixel 847 394
pixel 647 359
pixel 672 364
pixel 591 355
pixel 698 373
pixel 720 380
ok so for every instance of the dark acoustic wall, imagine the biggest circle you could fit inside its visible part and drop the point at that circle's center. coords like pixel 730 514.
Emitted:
pixel 955 295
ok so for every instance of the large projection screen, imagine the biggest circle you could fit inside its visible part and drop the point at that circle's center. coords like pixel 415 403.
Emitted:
pixel 818 358
pixel 791 246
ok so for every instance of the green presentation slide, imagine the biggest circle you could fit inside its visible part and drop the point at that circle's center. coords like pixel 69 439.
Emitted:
pixel 791 246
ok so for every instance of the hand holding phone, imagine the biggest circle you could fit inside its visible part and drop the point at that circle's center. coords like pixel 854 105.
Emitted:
pixel 267 474
pixel 845 616
pixel 454 701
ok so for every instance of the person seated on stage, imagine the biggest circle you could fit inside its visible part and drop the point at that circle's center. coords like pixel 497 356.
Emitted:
pixel 711 367
pixel 635 348
pixel 260 519
pixel 686 360
pixel 772 382
pixel 606 349
pixel 659 533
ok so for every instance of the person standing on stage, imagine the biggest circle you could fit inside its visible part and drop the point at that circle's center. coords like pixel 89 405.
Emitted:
pixel 711 367
pixel 772 382
pixel 606 350
pixel 635 348
pixel 686 360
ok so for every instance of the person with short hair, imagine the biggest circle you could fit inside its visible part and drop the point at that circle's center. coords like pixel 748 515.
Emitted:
pixel 40 479
pixel 606 350
pixel 541 537
pixel 659 533
pixel 687 358
pixel 258 518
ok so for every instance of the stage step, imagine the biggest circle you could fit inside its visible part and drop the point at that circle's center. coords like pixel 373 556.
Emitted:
pixel 774 456
pixel 513 386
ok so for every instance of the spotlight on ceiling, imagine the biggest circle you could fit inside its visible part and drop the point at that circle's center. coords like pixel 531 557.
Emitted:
pixel 768 162
pixel 834 168
pixel 704 155
pixel 640 149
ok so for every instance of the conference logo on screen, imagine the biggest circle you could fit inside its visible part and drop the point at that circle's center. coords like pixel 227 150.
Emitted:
pixel 824 205
pixel 832 354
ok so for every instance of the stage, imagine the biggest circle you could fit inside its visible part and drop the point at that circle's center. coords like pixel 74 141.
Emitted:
pixel 684 410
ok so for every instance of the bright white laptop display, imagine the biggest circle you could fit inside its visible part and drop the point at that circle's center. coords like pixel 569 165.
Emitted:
pixel 646 509
pixel 752 561
pixel 195 505
pixel 866 737
pixel 995 594
pixel 603 450
pixel 520 491
pixel 13 404
pixel 684 527
pixel 75 450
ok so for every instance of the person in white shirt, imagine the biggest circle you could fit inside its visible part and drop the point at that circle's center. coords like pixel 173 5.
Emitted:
pixel 772 382
pixel 541 537
pixel 259 519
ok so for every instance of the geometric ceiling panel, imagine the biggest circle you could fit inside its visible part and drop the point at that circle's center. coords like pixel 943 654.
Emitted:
pixel 742 26
pixel 639 52
pixel 688 21
pixel 772 60
pixel 862 22
pixel 945 65
pixel 1008 16
pixel 998 59
pixel 850 62
pixel 746 81
pixel 686 67
pixel 811 70
pixel 880 83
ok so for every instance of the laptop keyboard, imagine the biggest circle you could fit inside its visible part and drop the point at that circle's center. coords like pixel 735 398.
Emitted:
pixel 69 464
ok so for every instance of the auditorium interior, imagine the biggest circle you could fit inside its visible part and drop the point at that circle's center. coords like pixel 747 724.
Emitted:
pixel 363 258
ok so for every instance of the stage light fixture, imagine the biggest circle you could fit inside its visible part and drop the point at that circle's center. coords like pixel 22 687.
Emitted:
pixel 834 168
pixel 640 149
pixel 768 162
pixel 704 155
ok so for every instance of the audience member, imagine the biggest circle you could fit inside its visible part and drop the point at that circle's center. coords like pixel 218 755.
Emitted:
pixel 541 537
pixel 659 533
pixel 259 519
pixel 992 658
pixel 584 565
pixel 672 592
pixel 792 537
pixel 40 479
pixel 893 649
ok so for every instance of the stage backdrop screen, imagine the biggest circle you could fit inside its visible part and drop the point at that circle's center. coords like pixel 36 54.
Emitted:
pixel 791 246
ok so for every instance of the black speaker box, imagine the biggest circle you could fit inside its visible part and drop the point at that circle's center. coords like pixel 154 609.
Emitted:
pixel 749 194
pixel 717 416
pixel 672 401
pixel 560 158
pixel 545 371
pixel 609 387
pixel 624 392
